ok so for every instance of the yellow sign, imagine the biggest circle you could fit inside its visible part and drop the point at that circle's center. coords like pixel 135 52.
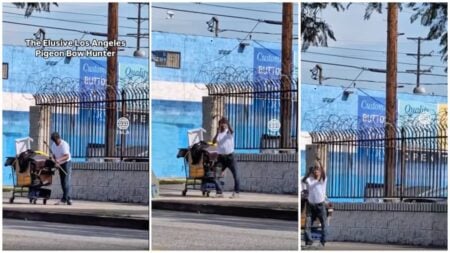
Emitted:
pixel 442 118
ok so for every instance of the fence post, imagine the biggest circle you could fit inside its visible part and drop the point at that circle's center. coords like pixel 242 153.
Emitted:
pixel 123 135
pixel 212 111
pixel 39 127
pixel 402 168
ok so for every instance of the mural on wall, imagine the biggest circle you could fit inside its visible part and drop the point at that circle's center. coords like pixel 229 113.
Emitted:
pixel 267 63
pixel 371 112
pixel 442 117
pixel 133 75
pixel 92 74
pixel 413 112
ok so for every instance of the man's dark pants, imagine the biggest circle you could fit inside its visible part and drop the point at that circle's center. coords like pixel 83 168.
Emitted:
pixel 228 161
pixel 65 180
pixel 314 211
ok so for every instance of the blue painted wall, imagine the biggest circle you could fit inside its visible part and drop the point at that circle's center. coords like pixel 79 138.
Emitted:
pixel 200 56
pixel 313 107
pixel 15 126
pixel 29 74
pixel 170 122
pixel 326 103
pixel 199 53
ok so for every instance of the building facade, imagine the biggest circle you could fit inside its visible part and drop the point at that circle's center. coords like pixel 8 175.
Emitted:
pixel 27 75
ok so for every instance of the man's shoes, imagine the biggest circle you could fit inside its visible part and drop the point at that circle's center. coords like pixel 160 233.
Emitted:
pixel 235 195
pixel 219 195
pixel 63 202
pixel 60 202
pixel 322 243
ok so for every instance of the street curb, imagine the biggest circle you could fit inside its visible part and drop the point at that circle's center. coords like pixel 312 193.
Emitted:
pixel 253 212
pixel 79 219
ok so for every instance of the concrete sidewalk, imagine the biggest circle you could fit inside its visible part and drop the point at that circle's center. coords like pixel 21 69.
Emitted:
pixel 257 205
pixel 350 246
pixel 110 214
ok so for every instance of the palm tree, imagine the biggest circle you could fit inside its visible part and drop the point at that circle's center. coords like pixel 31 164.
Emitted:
pixel 315 32
pixel 30 7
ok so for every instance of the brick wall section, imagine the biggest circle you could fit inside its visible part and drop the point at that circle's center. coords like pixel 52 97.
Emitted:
pixel 266 173
pixel 423 224
pixel 120 182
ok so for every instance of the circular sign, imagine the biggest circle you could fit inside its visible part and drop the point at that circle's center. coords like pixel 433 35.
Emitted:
pixel 123 123
pixel 274 125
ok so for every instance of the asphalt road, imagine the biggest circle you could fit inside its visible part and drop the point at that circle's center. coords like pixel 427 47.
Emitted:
pixel 37 235
pixel 349 246
pixel 193 231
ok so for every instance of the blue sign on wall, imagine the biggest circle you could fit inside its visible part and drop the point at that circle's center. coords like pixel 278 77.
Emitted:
pixel 267 63
pixel 371 111
pixel 92 74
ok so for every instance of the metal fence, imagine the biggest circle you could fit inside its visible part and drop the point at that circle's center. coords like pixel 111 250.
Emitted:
pixel 254 109
pixel 81 119
pixel 355 162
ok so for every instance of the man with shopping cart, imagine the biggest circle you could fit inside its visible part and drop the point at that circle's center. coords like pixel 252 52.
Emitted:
pixel 61 153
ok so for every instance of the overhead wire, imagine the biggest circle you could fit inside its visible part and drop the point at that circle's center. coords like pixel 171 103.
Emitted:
pixel 365 68
pixel 219 15
pixel 71 21
pixel 242 8
pixel 339 94
pixel 74 13
pixel 382 82
pixel 372 50
pixel 70 29
pixel 368 59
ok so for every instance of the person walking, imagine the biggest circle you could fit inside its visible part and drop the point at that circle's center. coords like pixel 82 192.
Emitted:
pixel 315 184
pixel 225 148
pixel 61 152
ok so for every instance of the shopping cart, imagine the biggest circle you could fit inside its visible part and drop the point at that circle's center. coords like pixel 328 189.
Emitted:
pixel 201 166
pixel 32 170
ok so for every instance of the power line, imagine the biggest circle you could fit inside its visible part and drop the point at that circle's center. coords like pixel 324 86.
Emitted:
pixel 241 8
pixel 339 94
pixel 368 59
pixel 65 29
pixel 242 31
pixel 267 49
pixel 254 27
pixel 373 50
pixel 71 21
pixel 370 96
pixel 75 13
pixel 364 68
pixel 382 82
pixel 221 15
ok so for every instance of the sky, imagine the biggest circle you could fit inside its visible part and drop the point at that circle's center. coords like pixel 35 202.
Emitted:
pixel 95 13
pixel 352 31
pixel 194 23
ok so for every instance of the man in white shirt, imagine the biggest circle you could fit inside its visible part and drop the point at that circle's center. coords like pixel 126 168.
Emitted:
pixel 225 147
pixel 315 184
pixel 61 152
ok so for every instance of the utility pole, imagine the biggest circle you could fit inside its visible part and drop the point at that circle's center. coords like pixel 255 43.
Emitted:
pixel 391 101
pixel 286 74
pixel 139 20
pixel 418 71
pixel 111 76
pixel 138 39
